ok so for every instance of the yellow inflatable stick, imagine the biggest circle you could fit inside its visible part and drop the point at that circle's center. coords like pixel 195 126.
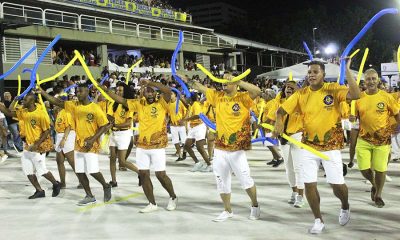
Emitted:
pixel 290 76
pixel 19 89
pixel 354 53
pixel 215 79
pixel 360 72
pixel 259 119
pixel 90 76
pixel 298 143
pixel 60 72
pixel 128 75
pixel 40 95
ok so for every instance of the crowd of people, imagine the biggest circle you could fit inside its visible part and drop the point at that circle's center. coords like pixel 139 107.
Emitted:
pixel 311 113
pixel 163 4
pixel 61 56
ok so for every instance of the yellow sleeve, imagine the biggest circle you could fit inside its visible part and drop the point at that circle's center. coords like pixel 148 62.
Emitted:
pixel 20 113
pixel 197 109
pixel 69 119
pixel 211 96
pixel 291 103
pixel 340 92
pixel 70 106
pixel 164 104
pixel 101 117
pixel 133 105
pixel 393 106
pixel 247 101
pixel 110 110
pixel 273 107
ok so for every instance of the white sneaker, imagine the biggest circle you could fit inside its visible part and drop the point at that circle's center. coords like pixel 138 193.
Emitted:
pixel 255 213
pixel 388 179
pixel 172 204
pixel 223 216
pixel 197 167
pixel 299 203
pixel 318 227
pixel 344 217
pixel 208 168
pixel 149 208
pixel 3 158
pixel 293 198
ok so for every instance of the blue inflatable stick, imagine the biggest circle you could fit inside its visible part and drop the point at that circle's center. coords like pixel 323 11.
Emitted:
pixel 207 122
pixel 70 87
pixel 178 99
pixel 173 65
pixel 358 37
pixel 263 139
pixel 308 51
pixel 17 64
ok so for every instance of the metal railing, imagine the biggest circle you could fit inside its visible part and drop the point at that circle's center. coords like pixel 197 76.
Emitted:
pixel 87 23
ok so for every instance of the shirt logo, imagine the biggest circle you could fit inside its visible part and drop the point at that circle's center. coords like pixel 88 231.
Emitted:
pixel 380 105
pixel 154 112
pixel 59 120
pixel 89 117
pixel 328 100
pixel 122 113
pixel 33 123
pixel 236 107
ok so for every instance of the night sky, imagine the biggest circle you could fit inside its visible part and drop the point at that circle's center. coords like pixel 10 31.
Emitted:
pixel 288 23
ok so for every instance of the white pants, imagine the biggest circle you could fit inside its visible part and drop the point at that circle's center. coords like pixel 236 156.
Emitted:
pixel 154 159
pixel 395 146
pixel 178 134
pixel 121 139
pixel 136 132
pixel 333 167
pixel 291 156
pixel 86 162
pixel 225 163
pixel 198 133
pixel 69 143
pixel 34 162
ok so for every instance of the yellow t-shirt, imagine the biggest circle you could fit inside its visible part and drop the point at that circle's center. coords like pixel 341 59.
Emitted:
pixel 374 112
pixel 393 122
pixel 88 119
pixel 103 105
pixel 176 117
pixel 209 111
pixel 63 120
pixel 35 123
pixel 321 115
pixel 295 122
pixel 120 114
pixel 268 109
pixel 195 109
pixel 232 120
pixel 152 122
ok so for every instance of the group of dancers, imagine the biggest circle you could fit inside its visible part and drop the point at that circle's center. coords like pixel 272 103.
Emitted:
pixel 311 113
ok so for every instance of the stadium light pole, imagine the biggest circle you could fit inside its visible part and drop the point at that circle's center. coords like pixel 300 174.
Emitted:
pixel 313 33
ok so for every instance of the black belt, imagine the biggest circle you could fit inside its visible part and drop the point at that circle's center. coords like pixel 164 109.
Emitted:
pixel 119 130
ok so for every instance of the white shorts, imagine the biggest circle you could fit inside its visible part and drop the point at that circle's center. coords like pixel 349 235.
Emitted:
pixel 290 154
pixel 136 132
pixel 121 139
pixel 395 146
pixel 178 134
pixel 86 162
pixel 153 159
pixel 69 143
pixel 346 124
pixel 333 167
pixel 34 163
pixel 355 125
pixel 198 133
pixel 225 163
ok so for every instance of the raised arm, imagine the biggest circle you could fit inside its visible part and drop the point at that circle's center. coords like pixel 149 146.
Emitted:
pixel 51 99
pixel 114 96
pixel 166 91
pixel 193 84
pixel 354 90
pixel 6 111
pixel 253 90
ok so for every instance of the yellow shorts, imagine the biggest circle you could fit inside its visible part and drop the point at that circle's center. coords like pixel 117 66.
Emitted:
pixel 372 156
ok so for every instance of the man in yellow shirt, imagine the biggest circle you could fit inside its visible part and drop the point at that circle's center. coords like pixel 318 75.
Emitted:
pixel 319 104
pixel 178 129
pixel 197 134
pixel 374 109
pixel 90 123
pixel 37 132
pixel 153 139
pixel 232 140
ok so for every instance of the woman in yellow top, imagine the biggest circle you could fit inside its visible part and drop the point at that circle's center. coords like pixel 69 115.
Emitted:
pixel 65 141
pixel 293 127
pixel 121 135
pixel 197 134
pixel 374 109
